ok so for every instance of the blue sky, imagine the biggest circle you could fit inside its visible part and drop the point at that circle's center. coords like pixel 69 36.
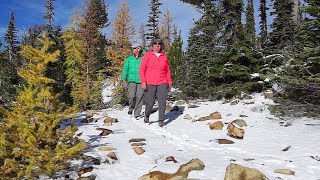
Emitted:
pixel 29 13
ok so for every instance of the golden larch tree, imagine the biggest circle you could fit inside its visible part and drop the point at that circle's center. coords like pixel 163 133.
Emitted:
pixel 122 33
pixel 31 140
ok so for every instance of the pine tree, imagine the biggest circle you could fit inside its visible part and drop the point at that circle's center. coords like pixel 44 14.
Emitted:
pixel 31 141
pixel 250 23
pixel 153 21
pixel 122 33
pixel 49 13
pixel 283 26
pixel 175 55
pixel 11 39
pixel 309 29
pixel 231 14
pixel 201 52
pixel 10 62
pixel 263 22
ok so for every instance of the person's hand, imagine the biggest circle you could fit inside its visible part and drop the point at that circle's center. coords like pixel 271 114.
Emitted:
pixel 169 87
pixel 144 85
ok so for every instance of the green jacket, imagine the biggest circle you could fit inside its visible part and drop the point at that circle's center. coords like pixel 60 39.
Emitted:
pixel 130 70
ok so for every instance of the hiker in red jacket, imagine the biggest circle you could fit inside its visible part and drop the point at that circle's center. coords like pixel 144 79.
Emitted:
pixel 155 79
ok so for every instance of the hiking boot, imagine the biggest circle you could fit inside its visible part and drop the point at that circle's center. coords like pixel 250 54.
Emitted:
pixel 146 119
pixel 161 123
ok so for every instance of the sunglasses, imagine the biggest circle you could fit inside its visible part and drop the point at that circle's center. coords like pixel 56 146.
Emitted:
pixel 157 43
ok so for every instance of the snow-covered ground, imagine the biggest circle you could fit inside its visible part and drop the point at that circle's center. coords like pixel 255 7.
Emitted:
pixel 262 147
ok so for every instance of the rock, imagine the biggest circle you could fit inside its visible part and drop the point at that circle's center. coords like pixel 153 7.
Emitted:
pixel 192 106
pixel 89 114
pixel 225 141
pixel 117 107
pixel 216 125
pixel 268 94
pixel 235 132
pixel 171 158
pixel 95 161
pixel 284 171
pixel 238 172
pixel 182 173
pixel 85 170
pixel 112 155
pixel 168 108
pixel 88 177
pixel 110 120
pixel 235 101
pixel 180 102
pixel 104 132
pixel 106 148
pixel 239 122
pixel 138 144
pixel 246 96
pixel 286 149
pixel 136 140
pixel 215 115
pixel 139 150
pixel 188 117
pixel 175 108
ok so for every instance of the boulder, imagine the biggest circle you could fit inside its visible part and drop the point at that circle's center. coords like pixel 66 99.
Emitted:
pixel 216 125
pixel 182 173
pixel 268 94
pixel 171 158
pixel 235 132
pixel 284 171
pixel 138 144
pixel 85 170
pixel 215 115
pixel 136 140
pixel 106 148
pixel 238 172
pixel 108 121
pixel 225 141
pixel 112 155
pixel 139 150
pixel 104 132
pixel 239 122
pixel 234 101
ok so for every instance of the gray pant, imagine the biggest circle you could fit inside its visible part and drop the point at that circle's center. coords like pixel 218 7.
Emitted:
pixel 135 98
pixel 159 91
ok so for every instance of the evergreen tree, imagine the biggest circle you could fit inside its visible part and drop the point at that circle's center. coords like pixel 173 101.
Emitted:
pixel 10 62
pixel 231 14
pixel 309 37
pixel 175 55
pixel 153 21
pixel 122 33
pixel 31 141
pixel 250 23
pixel 201 51
pixel 263 22
pixel 11 39
pixel 49 13
pixel 283 26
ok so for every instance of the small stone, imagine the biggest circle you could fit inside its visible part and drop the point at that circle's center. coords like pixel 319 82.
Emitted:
pixel 225 141
pixel 136 140
pixel 284 171
pixel 139 150
pixel 171 158
pixel 106 148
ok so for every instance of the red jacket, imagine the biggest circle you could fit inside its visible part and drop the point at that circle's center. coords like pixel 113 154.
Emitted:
pixel 154 70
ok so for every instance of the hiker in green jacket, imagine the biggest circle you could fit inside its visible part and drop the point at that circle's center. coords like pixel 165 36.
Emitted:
pixel 130 77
